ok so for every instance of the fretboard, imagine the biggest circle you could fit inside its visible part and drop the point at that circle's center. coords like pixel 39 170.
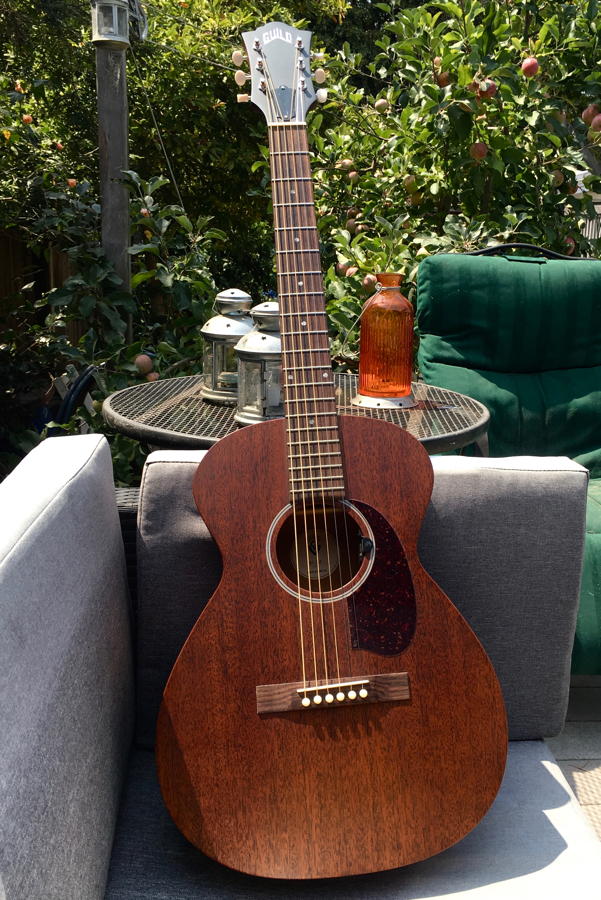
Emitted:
pixel 314 458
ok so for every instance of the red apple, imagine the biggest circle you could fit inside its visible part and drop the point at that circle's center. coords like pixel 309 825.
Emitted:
pixel 437 62
pixel 352 212
pixel 588 114
pixel 558 177
pixel 487 89
pixel 26 119
pixel 143 363
pixel 596 123
pixel 478 150
pixel 351 225
pixel 153 376
pixel 352 270
pixel 72 182
pixel 370 281
pixel 570 245
pixel 410 183
pixel 362 228
pixel 58 145
pixel 345 164
pixel 381 105
pixel 530 66
pixel 443 79
pixel 353 177
pixel 342 268
pixel 145 212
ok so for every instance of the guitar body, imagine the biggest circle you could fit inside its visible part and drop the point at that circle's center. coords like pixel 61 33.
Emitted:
pixel 344 788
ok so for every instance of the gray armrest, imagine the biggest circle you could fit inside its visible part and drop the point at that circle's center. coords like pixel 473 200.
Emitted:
pixel 65 671
pixel 503 537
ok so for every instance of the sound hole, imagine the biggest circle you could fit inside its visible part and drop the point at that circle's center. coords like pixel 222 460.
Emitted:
pixel 320 546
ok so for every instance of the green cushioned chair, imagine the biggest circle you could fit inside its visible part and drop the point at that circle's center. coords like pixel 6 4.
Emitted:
pixel 522 334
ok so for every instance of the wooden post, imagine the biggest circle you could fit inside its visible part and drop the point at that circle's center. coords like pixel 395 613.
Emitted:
pixel 111 86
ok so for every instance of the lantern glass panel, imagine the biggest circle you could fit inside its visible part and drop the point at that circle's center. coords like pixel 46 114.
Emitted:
pixel 273 388
pixel 207 364
pixel 122 22
pixel 250 387
pixel 105 20
pixel 227 368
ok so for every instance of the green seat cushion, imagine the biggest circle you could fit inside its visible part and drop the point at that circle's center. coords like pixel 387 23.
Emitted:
pixel 545 414
pixel 586 656
pixel 510 314
pixel 523 337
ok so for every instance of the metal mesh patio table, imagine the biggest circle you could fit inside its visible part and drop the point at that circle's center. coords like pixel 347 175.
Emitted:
pixel 172 413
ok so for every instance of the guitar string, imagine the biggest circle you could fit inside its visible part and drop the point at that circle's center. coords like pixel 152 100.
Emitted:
pixel 270 97
pixel 294 176
pixel 297 414
pixel 305 175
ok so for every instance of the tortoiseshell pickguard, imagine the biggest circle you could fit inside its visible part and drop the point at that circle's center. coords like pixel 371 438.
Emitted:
pixel 382 612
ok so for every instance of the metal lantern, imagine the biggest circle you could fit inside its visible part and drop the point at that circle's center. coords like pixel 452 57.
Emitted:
pixel 260 368
pixel 110 23
pixel 221 334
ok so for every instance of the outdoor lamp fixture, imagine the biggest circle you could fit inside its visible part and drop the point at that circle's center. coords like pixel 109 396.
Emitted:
pixel 110 23
pixel 221 334
pixel 260 368
pixel 386 347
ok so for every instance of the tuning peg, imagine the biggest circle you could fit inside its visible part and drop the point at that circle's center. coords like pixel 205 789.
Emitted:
pixel 243 98
pixel 318 56
pixel 238 57
pixel 241 78
pixel 320 76
pixel 321 95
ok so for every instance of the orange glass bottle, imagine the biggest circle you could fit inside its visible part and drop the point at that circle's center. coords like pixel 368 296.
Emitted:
pixel 386 357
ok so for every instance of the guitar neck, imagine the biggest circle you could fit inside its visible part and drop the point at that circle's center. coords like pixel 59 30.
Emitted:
pixel 308 383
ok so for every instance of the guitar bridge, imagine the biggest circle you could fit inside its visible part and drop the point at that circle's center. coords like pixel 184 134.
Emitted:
pixel 332 694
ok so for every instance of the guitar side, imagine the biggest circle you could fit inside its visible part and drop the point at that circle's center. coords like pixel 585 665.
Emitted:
pixel 323 792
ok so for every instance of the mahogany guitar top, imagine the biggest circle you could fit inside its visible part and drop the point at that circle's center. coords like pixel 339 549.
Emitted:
pixel 331 713
pixel 323 792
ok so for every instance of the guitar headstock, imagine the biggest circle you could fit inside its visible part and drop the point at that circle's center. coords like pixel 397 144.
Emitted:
pixel 282 84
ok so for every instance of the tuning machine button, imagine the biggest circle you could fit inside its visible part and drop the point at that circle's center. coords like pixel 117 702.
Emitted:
pixel 243 98
pixel 321 95
pixel 241 78
pixel 318 56
pixel 320 75
pixel 238 57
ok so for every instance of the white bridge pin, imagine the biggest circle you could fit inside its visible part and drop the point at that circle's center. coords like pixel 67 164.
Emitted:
pixel 340 696
pixel 306 701
pixel 352 695
pixel 329 698
pixel 317 699
pixel 363 693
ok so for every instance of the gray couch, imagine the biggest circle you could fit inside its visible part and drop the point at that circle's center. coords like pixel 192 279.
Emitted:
pixel 81 674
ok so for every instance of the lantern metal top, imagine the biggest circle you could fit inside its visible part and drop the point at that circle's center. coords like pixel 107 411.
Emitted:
pixel 233 302
pixel 264 340
pixel 266 316
pixel 110 23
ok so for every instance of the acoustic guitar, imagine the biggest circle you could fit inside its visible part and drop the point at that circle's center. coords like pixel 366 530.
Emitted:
pixel 331 712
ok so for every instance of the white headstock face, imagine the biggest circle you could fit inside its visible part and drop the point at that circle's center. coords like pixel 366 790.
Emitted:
pixel 279 60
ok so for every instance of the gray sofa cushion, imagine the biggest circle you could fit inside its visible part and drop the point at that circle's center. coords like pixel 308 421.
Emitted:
pixel 66 698
pixel 503 538
pixel 534 842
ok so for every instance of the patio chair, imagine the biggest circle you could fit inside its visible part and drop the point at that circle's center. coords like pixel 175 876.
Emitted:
pixel 82 673
pixel 522 334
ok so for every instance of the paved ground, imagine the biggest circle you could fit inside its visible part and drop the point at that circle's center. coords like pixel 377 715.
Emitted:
pixel 578 747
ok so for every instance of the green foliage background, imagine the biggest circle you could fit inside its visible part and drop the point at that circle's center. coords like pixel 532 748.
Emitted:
pixel 392 183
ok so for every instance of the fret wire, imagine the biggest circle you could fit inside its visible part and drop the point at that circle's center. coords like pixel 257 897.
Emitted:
pixel 290 178
pixel 295 228
pixel 300 294
pixel 321 466
pixel 320 454
pixel 289 204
